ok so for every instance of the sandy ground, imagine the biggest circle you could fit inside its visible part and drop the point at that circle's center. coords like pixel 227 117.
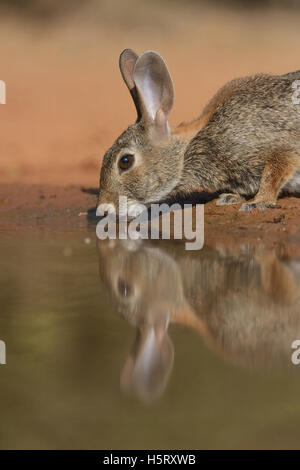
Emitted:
pixel 66 102
pixel 72 208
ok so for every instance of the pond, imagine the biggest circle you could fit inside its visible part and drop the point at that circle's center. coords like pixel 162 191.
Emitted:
pixel 140 344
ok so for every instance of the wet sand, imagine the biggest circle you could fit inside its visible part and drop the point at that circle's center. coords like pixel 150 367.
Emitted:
pixel 72 208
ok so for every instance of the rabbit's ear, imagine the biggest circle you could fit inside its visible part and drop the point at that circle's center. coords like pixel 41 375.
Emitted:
pixel 155 90
pixel 127 62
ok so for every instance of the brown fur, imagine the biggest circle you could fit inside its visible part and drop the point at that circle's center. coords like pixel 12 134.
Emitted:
pixel 245 143
pixel 279 167
pixel 189 129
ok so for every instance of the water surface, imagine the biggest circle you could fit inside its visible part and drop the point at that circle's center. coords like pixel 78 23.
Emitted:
pixel 145 345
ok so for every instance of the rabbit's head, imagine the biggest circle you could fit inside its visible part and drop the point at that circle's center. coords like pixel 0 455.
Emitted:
pixel 145 162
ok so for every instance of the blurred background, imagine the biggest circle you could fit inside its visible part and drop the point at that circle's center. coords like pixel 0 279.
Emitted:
pixel 66 101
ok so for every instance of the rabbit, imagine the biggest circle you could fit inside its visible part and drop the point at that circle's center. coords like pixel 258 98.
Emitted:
pixel 245 145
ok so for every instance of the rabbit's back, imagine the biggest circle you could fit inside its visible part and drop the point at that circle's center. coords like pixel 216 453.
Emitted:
pixel 254 110
pixel 247 119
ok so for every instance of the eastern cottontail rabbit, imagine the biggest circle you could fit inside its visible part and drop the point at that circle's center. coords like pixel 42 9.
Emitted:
pixel 246 142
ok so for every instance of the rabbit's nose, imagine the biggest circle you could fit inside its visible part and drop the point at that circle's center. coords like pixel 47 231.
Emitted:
pixel 106 201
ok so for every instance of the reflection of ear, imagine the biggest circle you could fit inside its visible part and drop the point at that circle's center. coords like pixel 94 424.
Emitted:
pixel 127 62
pixel 155 91
pixel 147 368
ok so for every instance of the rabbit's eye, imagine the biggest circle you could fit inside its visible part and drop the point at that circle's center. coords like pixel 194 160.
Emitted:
pixel 124 288
pixel 126 162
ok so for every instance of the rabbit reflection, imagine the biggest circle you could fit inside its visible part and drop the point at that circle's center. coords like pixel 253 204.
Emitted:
pixel 244 302
pixel 147 284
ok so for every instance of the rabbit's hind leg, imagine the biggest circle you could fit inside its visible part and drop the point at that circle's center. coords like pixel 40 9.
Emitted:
pixel 227 199
pixel 278 169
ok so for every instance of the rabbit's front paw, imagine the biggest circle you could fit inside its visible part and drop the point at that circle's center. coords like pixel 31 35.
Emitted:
pixel 226 199
pixel 262 206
